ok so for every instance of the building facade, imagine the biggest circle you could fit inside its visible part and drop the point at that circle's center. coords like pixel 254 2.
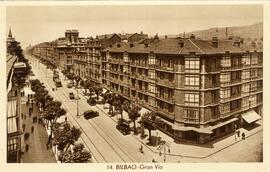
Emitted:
pixel 199 88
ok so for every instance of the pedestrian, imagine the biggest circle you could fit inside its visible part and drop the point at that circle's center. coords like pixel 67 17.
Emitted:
pixel 33 119
pixel 238 133
pixel 23 126
pixel 26 147
pixel 22 115
pixel 32 129
pixel 243 136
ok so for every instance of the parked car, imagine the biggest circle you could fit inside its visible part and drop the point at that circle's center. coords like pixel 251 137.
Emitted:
pixel 58 83
pixel 71 95
pixel 123 126
pixel 90 114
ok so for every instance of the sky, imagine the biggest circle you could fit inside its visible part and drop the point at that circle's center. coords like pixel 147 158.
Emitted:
pixel 36 24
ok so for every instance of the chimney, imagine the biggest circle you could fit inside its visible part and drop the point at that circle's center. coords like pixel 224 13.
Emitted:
pixel 181 43
pixel 192 36
pixel 96 36
pixel 184 35
pixel 166 36
pixel 226 32
pixel 214 42
pixel 141 32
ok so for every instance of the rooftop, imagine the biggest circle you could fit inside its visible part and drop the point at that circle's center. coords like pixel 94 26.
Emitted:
pixel 183 46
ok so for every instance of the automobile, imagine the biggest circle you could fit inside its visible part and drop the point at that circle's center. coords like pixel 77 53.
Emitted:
pixel 71 95
pixel 90 114
pixel 58 83
pixel 123 126
pixel 69 85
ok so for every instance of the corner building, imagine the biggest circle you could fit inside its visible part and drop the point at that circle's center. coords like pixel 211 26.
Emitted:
pixel 200 89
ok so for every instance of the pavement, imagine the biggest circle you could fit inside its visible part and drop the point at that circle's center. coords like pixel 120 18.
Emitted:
pixel 37 152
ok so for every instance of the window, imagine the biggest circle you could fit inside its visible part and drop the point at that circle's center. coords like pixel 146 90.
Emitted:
pixel 253 86
pixel 125 57
pixel 192 65
pixel 224 108
pixel 192 99
pixel 254 73
pixel 245 88
pixel 235 104
pixel 226 62
pixel 245 102
pixel 225 93
pixel 152 88
pixel 191 115
pixel 152 61
pixel 245 60
pixel 152 74
pixel 192 81
pixel 12 144
pixel 225 77
pixel 253 100
pixel 245 74
pixel 254 59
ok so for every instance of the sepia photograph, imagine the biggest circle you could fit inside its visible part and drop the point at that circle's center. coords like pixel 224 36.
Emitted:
pixel 134 84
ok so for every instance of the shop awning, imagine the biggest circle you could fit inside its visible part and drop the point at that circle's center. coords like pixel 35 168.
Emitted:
pixel 251 116
pixel 206 130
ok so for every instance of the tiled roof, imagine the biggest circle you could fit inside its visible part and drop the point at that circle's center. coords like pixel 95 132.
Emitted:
pixel 173 46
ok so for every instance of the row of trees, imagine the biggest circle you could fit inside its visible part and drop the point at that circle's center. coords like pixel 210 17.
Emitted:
pixel 63 134
pixel 148 120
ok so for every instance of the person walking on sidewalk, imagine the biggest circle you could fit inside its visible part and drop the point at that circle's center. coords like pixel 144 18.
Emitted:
pixel 32 129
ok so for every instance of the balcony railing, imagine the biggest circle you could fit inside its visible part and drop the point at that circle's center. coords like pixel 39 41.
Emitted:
pixel 168 99
pixel 165 82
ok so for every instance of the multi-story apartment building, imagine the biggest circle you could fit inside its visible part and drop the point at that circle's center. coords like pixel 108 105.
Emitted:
pixel 200 89
pixel 93 54
pixel 14 71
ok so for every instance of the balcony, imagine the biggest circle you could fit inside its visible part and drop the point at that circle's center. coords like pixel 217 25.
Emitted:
pixel 165 69
pixel 142 77
pixel 168 99
pixel 165 83
pixel 165 112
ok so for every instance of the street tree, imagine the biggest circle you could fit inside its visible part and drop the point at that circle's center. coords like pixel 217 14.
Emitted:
pixel 78 154
pixel 133 114
pixel 148 121
pixel 65 135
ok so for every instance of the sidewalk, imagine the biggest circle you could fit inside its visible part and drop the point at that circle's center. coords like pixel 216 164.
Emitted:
pixel 37 152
